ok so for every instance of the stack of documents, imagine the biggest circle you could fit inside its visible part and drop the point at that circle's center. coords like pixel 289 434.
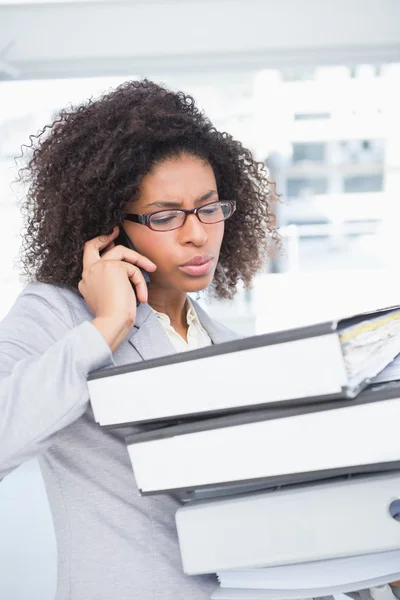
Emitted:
pixel 285 452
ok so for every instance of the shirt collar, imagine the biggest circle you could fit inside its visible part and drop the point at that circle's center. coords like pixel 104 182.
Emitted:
pixel 191 315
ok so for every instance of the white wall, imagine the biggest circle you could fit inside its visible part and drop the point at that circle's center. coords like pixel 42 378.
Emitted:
pixel 28 558
pixel 66 39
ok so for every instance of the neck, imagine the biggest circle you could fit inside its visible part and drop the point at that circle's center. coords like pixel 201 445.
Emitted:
pixel 169 302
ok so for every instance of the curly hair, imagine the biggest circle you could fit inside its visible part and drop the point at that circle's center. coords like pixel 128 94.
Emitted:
pixel 90 164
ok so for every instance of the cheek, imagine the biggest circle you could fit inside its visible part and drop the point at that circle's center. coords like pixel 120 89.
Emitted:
pixel 158 247
pixel 164 249
pixel 216 234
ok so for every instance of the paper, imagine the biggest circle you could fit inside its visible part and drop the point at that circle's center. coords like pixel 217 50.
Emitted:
pixel 369 345
pixel 390 373
pixel 318 574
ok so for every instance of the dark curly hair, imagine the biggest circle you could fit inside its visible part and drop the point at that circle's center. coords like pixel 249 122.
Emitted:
pixel 89 165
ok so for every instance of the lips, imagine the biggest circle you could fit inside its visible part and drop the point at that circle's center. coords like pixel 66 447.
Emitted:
pixel 198 265
pixel 196 261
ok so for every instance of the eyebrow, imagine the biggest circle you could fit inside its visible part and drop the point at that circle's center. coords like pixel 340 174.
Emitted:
pixel 175 204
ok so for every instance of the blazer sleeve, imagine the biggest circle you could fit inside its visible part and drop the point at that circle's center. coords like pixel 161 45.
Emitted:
pixel 44 362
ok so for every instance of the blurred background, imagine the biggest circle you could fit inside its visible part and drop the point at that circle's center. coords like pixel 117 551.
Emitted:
pixel 312 87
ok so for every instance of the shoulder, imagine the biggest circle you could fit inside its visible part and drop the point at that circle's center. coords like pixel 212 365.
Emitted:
pixel 41 315
pixel 41 300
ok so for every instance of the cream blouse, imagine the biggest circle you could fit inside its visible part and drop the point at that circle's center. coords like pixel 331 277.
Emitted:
pixel 197 336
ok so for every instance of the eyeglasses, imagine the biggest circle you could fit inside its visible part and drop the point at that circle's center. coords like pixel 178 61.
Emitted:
pixel 168 220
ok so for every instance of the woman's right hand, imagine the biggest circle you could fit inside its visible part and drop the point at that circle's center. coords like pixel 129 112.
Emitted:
pixel 106 285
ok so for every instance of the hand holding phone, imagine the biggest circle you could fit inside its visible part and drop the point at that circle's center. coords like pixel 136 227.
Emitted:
pixel 107 272
pixel 124 240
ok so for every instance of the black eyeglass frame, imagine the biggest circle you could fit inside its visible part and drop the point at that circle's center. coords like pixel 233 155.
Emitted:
pixel 144 219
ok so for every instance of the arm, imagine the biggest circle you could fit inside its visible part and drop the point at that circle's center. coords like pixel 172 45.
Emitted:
pixel 44 362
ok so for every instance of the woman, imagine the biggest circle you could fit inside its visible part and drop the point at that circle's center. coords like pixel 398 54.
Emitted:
pixel 197 207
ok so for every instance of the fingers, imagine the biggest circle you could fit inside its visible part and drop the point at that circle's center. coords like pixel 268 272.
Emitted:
pixel 136 277
pixel 91 251
pixel 107 248
pixel 130 256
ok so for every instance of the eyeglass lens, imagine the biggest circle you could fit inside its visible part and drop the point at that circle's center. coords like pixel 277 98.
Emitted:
pixel 172 219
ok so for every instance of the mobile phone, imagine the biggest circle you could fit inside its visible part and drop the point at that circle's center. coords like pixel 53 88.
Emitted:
pixel 123 239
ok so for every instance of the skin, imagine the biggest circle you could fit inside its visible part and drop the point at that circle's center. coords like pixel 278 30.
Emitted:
pixel 108 269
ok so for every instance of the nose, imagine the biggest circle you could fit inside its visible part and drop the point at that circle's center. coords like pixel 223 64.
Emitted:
pixel 193 232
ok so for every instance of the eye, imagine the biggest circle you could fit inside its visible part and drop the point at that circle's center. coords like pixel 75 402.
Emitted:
pixel 160 220
pixel 210 209
pixel 163 218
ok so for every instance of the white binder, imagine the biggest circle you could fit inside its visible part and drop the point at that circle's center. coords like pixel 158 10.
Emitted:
pixel 292 525
pixel 319 363
pixel 271 447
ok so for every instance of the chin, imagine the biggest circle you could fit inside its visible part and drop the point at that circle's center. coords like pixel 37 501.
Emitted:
pixel 196 284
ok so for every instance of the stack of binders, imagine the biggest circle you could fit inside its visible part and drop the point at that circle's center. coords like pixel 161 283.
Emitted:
pixel 284 449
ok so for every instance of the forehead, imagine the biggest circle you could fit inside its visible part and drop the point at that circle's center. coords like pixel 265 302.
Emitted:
pixel 178 178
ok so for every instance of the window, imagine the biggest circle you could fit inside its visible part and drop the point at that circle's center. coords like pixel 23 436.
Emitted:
pixel 306 186
pixel 363 183
pixel 308 152
pixel 367 151
pixel 312 116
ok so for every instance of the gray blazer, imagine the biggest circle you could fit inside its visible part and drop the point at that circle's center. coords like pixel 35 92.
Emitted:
pixel 112 543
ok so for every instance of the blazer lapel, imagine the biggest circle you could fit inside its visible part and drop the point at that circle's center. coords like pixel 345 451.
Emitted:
pixel 148 336
pixel 151 341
